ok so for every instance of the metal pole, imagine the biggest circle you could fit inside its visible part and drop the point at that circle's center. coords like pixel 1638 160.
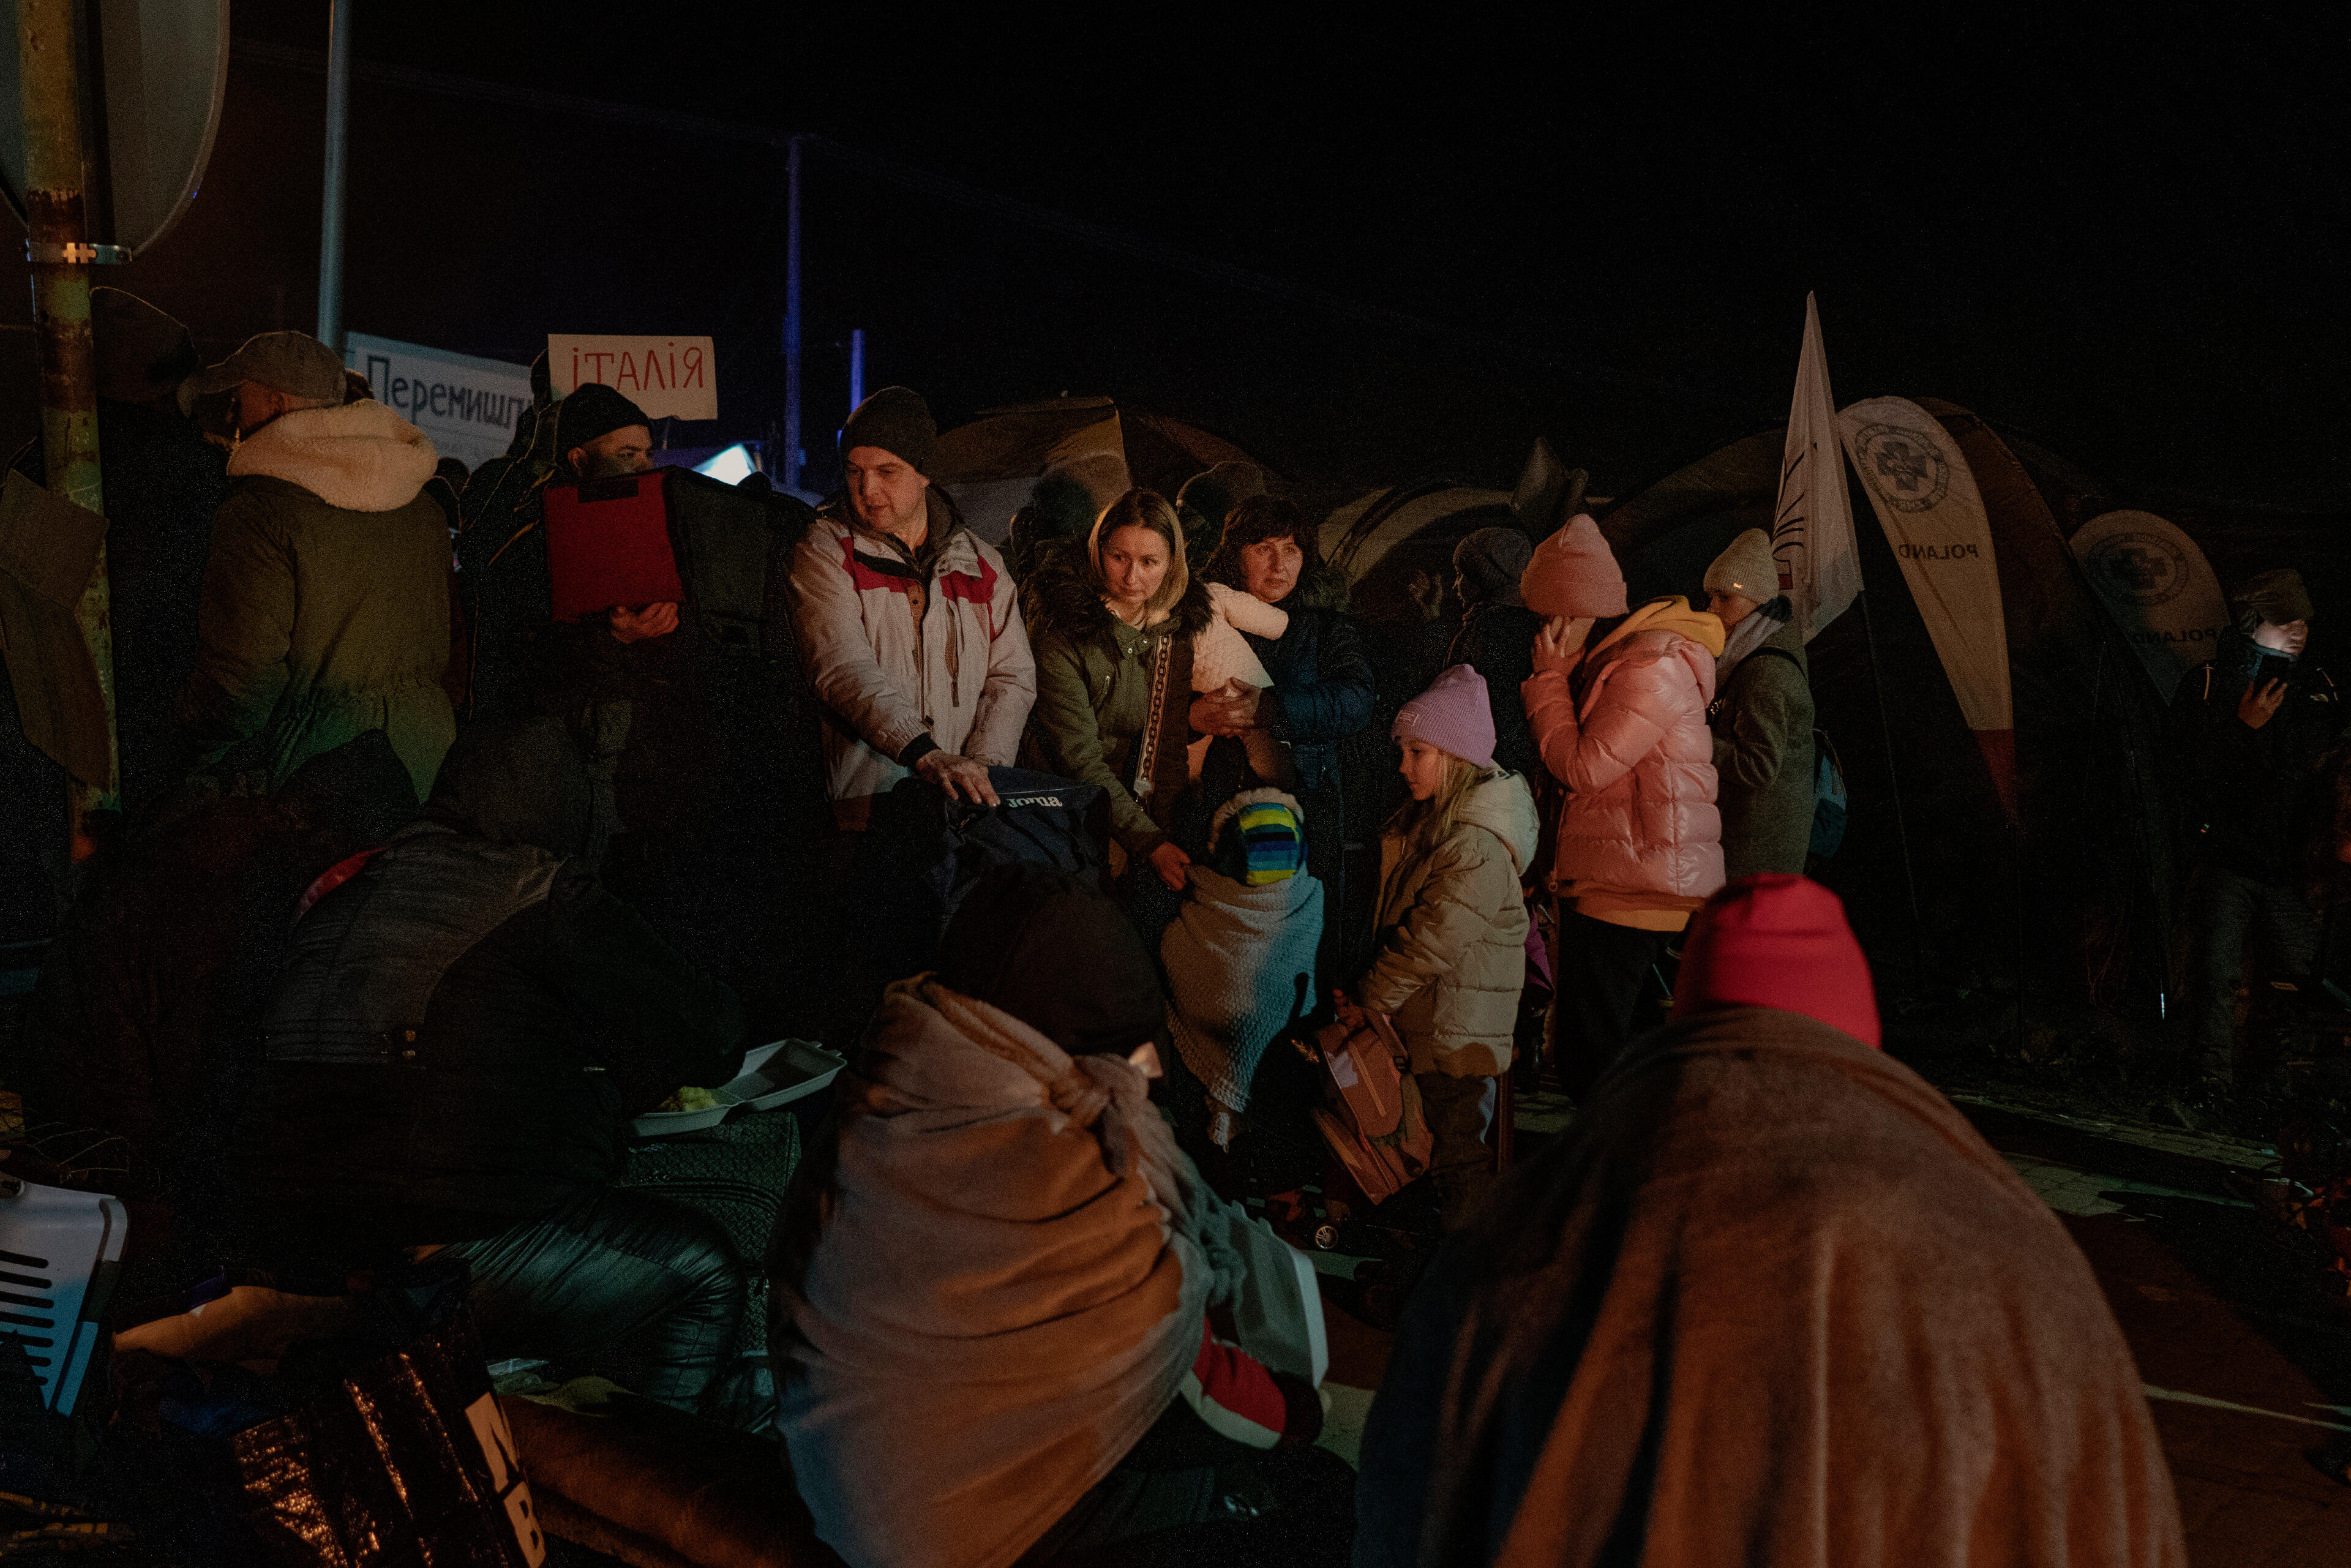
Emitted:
pixel 330 219
pixel 61 256
pixel 1901 828
pixel 856 366
pixel 791 468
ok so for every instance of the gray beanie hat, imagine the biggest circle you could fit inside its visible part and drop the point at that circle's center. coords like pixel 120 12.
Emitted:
pixel 1746 569
pixel 1489 561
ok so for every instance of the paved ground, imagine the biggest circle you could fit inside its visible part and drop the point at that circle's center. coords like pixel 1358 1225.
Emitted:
pixel 2245 1353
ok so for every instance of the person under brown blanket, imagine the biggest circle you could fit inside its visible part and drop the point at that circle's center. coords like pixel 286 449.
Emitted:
pixel 991 1303
pixel 1772 1300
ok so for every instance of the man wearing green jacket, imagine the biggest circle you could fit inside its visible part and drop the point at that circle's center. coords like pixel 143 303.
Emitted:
pixel 326 599
pixel 1761 715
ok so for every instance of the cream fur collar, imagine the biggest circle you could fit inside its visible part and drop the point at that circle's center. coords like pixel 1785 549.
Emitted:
pixel 361 457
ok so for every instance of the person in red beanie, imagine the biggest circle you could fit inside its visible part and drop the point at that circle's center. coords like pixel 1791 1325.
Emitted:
pixel 1775 940
pixel 1772 1300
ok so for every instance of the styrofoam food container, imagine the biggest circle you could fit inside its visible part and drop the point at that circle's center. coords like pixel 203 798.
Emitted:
pixel 772 1075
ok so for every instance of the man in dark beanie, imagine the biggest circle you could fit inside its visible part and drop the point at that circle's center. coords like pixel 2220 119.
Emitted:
pixel 1497 636
pixel 910 624
pixel 602 434
pixel 595 433
pixel 2251 727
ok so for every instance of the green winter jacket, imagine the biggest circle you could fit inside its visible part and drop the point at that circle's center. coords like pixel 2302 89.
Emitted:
pixel 1453 934
pixel 1093 697
pixel 325 600
pixel 1763 722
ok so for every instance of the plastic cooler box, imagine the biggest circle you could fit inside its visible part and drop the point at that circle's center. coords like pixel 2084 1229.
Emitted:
pixel 58 1253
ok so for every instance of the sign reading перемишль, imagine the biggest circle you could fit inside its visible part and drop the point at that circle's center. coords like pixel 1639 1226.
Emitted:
pixel 668 377
pixel 466 406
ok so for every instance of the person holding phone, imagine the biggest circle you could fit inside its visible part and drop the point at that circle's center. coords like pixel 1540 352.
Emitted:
pixel 2251 729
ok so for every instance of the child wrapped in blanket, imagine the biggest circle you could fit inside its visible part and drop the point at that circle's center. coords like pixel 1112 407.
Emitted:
pixel 1239 955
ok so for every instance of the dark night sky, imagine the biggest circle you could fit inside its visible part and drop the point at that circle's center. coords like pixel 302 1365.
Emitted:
pixel 2119 234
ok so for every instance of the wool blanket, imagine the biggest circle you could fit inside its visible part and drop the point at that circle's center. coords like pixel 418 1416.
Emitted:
pixel 1772 1300
pixel 1236 956
pixel 1005 1286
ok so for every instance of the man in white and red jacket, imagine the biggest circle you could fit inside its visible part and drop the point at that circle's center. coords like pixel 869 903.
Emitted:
pixel 1622 725
pixel 910 626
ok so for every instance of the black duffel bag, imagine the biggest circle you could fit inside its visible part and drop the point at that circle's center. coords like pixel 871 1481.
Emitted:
pixel 921 853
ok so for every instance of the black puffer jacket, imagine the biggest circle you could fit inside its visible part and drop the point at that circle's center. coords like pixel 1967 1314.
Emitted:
pixel 1498 640
pixel 2254 795
pixel 1322 688
pixel 463 1029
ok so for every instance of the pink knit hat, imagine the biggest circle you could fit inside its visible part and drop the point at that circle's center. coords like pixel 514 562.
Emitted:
pixel 1453 715
pixel 1573 573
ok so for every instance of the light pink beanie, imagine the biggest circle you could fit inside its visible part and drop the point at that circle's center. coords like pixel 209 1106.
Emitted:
pixel 1573 573
pixel 1453 715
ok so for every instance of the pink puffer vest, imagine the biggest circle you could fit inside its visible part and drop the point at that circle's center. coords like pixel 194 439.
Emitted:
pixel 1639 762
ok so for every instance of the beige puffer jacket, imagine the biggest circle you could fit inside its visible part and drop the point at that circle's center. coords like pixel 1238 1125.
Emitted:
pixel 1453 934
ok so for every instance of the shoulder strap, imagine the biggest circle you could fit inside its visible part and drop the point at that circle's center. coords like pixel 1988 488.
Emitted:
pixel 1146 750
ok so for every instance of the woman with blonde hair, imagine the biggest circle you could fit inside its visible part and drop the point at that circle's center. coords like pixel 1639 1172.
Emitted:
pixel 1112 633
pixel 1453 925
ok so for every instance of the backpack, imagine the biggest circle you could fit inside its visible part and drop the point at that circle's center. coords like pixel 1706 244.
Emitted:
pixel 1828 795
pixel 1829 798
pixel 1373 1122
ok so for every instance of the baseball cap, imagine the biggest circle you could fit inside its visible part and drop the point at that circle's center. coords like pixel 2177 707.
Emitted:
pixel 294 363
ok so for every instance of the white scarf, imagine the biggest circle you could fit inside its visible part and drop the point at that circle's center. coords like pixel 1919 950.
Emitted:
pixel 1749 634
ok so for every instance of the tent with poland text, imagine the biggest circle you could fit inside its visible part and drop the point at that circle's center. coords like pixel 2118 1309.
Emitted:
pixel 1926 499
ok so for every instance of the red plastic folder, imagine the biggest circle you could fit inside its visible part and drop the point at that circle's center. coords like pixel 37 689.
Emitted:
pixel 608 545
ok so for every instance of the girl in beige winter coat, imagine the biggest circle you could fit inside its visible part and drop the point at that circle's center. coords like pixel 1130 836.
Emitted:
pixel 1453 925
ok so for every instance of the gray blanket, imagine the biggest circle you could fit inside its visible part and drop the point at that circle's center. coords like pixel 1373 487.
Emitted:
pixel 1235 956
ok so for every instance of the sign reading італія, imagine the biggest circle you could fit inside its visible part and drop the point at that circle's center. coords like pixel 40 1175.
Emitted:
pixel 466 406
pixel 668 377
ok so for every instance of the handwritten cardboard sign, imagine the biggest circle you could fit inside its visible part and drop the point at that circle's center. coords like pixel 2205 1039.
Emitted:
pixel 669 378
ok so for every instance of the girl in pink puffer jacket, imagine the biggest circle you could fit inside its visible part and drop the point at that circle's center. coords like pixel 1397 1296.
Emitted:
pixel 1622 725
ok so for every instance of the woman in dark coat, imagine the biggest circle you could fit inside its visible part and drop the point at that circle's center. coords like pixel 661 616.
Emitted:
pixel 1322 690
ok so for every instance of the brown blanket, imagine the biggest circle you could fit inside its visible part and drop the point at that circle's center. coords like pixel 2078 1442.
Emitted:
pixel 1006 1289
pixel 1773 1301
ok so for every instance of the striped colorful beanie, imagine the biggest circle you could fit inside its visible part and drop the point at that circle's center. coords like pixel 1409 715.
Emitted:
pixel 1258 838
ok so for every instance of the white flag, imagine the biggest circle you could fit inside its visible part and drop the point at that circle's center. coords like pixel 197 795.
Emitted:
pixel 1925 496
pixel 1811 529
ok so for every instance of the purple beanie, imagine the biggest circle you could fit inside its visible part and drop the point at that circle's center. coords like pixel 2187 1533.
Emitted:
pixel 1453 715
